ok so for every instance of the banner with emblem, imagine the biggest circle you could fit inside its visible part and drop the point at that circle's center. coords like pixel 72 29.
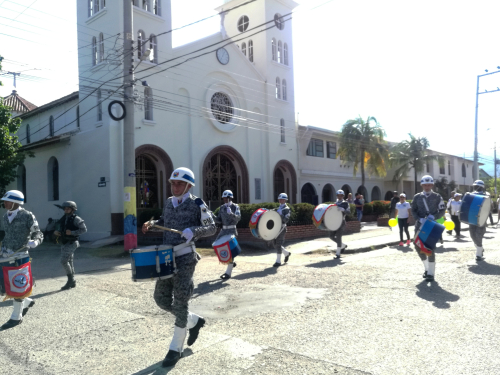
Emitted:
pixel 319 213
pixel 18 281
pixel 420 245
pixel 224 253
pixel 255 217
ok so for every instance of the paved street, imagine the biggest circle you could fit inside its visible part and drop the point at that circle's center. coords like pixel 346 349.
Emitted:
pixel 369 313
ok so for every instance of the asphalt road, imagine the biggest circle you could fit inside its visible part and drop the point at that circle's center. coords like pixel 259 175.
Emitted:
pixel 369 313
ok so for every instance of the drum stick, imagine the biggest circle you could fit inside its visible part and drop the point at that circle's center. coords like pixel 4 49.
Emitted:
pixel 169 229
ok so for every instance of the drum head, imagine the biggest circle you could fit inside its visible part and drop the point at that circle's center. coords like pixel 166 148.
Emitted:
pixel 222 240
pixel 333 218
pixel 484 212
pixel 269 225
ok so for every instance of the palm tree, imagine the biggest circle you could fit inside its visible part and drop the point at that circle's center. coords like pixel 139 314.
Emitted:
pixel 413 153
pixel 364 145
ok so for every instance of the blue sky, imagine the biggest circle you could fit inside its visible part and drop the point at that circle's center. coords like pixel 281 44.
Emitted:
pixel 411 65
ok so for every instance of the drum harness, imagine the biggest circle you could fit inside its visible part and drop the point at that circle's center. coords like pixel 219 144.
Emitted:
pixel 229 227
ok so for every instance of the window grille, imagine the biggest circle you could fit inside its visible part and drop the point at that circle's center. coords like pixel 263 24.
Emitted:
pixel 280 52
pixel 244 48
pixel 222 107
pixel 285 96
pixel 243 23
pixel 282 127
pixel 285 54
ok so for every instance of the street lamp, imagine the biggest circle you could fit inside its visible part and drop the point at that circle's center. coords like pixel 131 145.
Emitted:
pixel 476 166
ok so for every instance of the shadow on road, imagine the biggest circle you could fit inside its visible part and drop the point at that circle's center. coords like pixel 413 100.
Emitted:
pixel 34 296
pixel 441 250
pixel 485 268
pixel 404 249
pixel 439 297
pixel 156 369
pixel 250 275
pixel 327 263
pixel 209 287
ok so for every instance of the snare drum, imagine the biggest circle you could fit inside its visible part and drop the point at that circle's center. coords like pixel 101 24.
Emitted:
pixel 266 225
pixel 16 279
pixel 153 263
pixel 428 235
pixel 475 209
pixel 327 217
pixel 226 248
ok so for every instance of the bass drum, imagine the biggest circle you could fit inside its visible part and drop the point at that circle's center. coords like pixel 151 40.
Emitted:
pixel 333 218
pixel 268 226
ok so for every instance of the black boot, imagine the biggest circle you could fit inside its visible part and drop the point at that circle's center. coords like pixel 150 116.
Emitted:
pixel 25 310
pixel 10 324
pixel 193 332
pixel 70 284
pixel 171 358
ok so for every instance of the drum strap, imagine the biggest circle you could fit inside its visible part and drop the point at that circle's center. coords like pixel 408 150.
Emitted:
pixel 228 226
pixel 426 206
pixel 184 248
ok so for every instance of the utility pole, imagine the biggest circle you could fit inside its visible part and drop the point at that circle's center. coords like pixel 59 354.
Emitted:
pixel 495 162
pixel 14 74
pixel 129 204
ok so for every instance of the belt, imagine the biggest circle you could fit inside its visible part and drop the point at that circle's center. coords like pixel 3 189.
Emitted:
pixel 229 227
pixel 184 248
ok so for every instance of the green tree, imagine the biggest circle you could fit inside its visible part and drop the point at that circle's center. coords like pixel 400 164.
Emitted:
pixel 412 153
pixel 444 188
pixel 363 144
pixel 10 156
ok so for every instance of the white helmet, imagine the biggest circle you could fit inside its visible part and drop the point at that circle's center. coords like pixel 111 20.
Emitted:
pixel 227 194
pixel 283 196
pixel 478 183
pixel 182 174
pixel 427 180
pixel 14 196
pixel 340 192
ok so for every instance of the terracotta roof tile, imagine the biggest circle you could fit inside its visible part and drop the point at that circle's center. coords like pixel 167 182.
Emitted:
pixel 17 103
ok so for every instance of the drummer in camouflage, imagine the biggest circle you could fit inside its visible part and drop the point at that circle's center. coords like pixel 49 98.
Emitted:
pixel 278 242
pixel 229 215
pixel 336 236
pixel 21 233
pixel 189 214
pixel 427 205
pixel 477 232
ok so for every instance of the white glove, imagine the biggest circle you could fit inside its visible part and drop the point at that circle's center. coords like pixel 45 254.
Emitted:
pixel 430 217
pixel 422 221
pixel 187 234
pixel 32 244
pixel 229 210
pixel 341 209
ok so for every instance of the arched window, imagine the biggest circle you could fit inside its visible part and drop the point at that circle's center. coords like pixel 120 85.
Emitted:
pixel 284 89
pixel 464 172
pixel 279 21
pixel 280 52
pixel 273 47
pixel 157 7
pixel 278 88
pixel 53 179
pixel 78 116
pixel 101 47
pixel 51 126
pixel 99 106
pixel 91 8
pixel 285 54
pixel 250 50
pixel 28 134
pixel 244 48
pixel 449 167
pixel 243 23
pixel 153 56
pixel 145 5
pixel 282 128
pixel 148 104
pixel 141 43
pixel 94 51
pixel 96 6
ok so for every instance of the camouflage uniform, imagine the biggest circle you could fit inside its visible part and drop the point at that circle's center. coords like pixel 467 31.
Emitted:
pixel 68 248
pixel 173 294
pixel 279 241
pixel 228 219
pixel 336 236
pixel 419 211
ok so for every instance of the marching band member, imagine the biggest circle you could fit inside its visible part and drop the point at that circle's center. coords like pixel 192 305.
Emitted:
pixel 229 215
pixel 279 241
pixel 21 231
pixel 70 227
pixel 336 236
pixel 454 210
pixel 476 232
pixel 191 215
pixel 402 213
pixel 427 205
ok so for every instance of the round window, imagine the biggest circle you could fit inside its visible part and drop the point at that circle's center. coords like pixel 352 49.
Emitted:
pixel 279 21
pixel 222 107
pixel 243 23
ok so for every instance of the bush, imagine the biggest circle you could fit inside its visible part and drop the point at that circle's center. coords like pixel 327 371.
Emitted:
pixel 381 207
pixel 368 209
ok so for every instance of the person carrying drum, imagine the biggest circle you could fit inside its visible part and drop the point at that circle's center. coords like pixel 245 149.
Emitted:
pixel 284 211
pixel 189 214
pixel 21 233
pixel 427 205
pixel 402 213
pixel 336 236
pixel 69 228
pixel 454 209
pixel 229 215
pixel 477 232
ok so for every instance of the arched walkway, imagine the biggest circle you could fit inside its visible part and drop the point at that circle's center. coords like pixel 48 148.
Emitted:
pixel 225 169
pixel 347 189
pixel 308 194
pixel 362 190
pixel 328 194
pixel 388 195
pixel 153 169
pixel 376 194
pixel 285 180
